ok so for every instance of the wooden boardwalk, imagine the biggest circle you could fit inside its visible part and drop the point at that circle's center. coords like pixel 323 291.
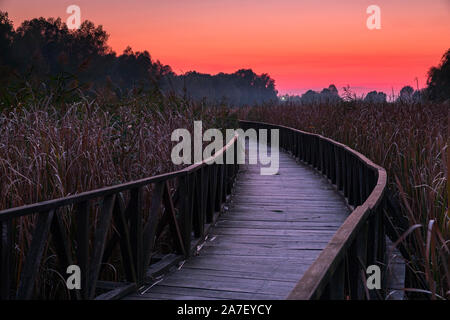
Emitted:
pixel 273 230
pixel 289 235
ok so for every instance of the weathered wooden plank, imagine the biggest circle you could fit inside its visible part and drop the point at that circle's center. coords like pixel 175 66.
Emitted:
pixel 314 207
pixel 278 275
pixel 118 293
pixel 265 242
pixel 276 232
pixel 285 225
pixel 265 286
pixel 252 260
pixel 207 294
pixel 236 266
pixel 158 268
pixel 165 296
pixel 255 251
pixel 282 216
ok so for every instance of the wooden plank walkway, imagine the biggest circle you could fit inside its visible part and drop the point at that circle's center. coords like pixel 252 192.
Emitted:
pixel 259 248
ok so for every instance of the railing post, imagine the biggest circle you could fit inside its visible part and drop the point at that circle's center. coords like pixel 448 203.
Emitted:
pixel 337 159
pixel 197 200
pixel 337 283
pixel 185 212
pixel 6 257
pixel 136 234
pixel 365 183
pixel 362 193
pixel 225 183
pixel 82 217
pixel 372 245
pixel 377 245
pixel 310 155
pixel 212 193
pixel 348 174
pixel 300 146
pixel 382 254
pixel 355 183
pixel 220 183
pixel 99 243
pixel 201 216
pixel 326 156
pixel 333 164
pixel 357 265
pixel 317 154
pixel 121 224
pixel 34 255
pixel 329 160
pixel 321 158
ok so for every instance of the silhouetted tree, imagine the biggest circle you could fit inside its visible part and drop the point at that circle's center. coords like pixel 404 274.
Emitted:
pixel 243 87
pixel 406 94
pixel 439 80
pixel 6 38
pixel 328 95
pixel 43 49
pixel 375 97
pixel 310 96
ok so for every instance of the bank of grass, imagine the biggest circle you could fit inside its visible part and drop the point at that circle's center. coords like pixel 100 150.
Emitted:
pixel 50 150
pixel 411 142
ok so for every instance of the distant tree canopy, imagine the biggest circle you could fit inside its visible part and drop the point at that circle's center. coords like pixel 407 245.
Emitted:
pixel 328 95
pixel 375 97
pixel 45 48
pixel 6 37
pixel 439 80
pixel 243 87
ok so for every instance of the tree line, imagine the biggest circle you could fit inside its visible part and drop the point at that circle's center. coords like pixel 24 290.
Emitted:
pixel 43 57
pixel 43 54
pixel 438 89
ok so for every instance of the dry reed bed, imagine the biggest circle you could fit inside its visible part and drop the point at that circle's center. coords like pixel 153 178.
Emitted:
pixel 411 142
pixel 48 152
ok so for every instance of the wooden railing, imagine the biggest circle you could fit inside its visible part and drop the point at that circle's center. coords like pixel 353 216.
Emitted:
pixel 340 270
pixel 90 229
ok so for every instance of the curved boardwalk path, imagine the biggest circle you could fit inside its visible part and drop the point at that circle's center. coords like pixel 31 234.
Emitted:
pixel 273 230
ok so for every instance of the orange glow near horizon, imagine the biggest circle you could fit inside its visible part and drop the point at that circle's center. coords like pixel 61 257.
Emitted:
pixel 301 44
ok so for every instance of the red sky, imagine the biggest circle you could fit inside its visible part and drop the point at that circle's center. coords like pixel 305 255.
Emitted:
pixel 302 44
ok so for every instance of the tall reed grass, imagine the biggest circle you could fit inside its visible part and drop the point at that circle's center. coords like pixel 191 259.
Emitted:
pixel 409 140
pixel 50 150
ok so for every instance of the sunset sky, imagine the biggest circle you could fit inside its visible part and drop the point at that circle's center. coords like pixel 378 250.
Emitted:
pixel 302 44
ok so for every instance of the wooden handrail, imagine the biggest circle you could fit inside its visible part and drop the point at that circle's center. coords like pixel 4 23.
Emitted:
pixel 191 198
pixel 83 196
pixel 339 271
